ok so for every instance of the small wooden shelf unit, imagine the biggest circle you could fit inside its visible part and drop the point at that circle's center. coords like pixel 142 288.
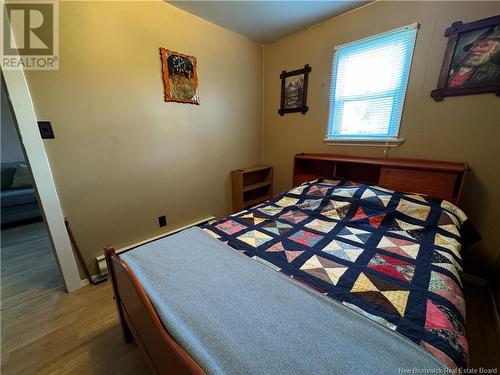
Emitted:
pixel 251 186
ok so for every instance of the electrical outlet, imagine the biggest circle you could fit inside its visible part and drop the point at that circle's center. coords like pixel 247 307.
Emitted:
pixel 162 221
pixel 46 131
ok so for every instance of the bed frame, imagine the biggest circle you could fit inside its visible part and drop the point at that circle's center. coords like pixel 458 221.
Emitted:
pixel 138 318
pixel 140 322
pixel 441 179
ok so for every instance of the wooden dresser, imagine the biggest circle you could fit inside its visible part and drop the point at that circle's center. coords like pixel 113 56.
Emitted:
pixel 439 179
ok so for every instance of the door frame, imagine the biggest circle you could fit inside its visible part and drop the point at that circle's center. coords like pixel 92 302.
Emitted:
pixel 24 115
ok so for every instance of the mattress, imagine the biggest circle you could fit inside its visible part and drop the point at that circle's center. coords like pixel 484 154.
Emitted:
pixel 236 316
pixel 393 257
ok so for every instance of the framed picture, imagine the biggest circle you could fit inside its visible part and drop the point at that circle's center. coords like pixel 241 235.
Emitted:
pixel 294 90
pixel 179 77
pixel 472 59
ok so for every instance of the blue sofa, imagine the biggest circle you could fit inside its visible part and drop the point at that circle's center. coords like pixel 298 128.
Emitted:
pixel 17 205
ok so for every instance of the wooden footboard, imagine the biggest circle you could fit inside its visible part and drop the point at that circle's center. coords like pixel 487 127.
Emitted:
pixel 141 323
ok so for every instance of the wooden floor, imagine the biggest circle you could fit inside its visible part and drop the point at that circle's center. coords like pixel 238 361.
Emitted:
pixel 29 268
pixel 483 331
pixel 47 331
pixel 59 333
pixel 63 333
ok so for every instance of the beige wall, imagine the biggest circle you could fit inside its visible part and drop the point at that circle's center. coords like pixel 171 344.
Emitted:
pixel 458 129
pixel 10 146
pixel 122 156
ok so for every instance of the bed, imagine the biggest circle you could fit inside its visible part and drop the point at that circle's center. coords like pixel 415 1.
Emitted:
pixel 391 257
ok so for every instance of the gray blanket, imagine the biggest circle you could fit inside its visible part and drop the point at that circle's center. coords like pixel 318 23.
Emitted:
pixel 237 316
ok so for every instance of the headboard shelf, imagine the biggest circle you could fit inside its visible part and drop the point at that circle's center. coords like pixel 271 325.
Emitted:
pixel 441 179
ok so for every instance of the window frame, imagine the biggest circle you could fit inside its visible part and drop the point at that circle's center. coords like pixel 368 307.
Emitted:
pixel 383 140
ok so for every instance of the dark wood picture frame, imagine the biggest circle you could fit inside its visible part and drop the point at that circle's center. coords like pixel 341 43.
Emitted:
pixel 284 75
pixel 164 53
pixel 453 34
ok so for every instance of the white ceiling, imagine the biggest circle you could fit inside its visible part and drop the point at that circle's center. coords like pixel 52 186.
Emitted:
pixel 266 21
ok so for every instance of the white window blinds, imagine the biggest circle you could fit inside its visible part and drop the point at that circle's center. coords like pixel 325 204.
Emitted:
pixel 368 86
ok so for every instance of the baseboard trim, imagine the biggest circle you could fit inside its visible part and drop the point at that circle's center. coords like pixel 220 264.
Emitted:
pixel 101 261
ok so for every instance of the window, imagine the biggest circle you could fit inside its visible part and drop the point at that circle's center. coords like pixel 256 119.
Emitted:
pixel 368 87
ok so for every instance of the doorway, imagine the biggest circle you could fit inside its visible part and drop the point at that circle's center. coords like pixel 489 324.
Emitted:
pixel 28 266
pixel 23 114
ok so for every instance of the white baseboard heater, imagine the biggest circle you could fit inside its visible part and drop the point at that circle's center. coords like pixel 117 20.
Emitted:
pixel 101 260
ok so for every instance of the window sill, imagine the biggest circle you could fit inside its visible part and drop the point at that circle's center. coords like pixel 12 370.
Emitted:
pixel 393 142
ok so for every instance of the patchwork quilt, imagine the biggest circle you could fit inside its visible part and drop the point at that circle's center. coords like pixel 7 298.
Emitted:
pixel 392 257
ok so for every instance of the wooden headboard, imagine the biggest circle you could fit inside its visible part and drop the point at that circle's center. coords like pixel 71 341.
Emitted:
pixel 439 179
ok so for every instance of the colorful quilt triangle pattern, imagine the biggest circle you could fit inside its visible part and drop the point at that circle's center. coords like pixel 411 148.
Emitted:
pixel 317 190
pixel 375 221
pixel 298 190
pixel 324 269
pixel 376 197
pixel 447 218
pixel 252 218
pixel 386 295
pixel 276 227
pixel 345 192
pixel 306 238
pixel 254 238
pixel 414 210
pixel 449 243
pixel 321 225
pixel 440 321
pixel 399 246
pixel 309 204
pixel 230 227
pixel 290 255
pixel 360 214
pixel 354 234
pixel 343 250
pixel 392 257
pixel 447 288
pixel 286 202
pixel 294 217
pixel 336 210
pixel 270 210
pixel 406 229
pixel 392 266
